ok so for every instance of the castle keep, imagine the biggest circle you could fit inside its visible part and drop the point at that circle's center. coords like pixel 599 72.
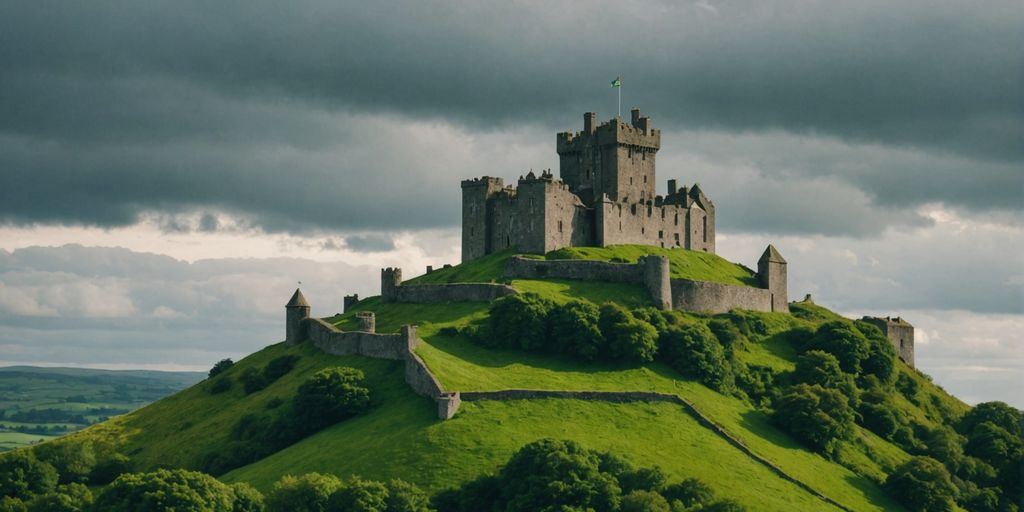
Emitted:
pixel 605 196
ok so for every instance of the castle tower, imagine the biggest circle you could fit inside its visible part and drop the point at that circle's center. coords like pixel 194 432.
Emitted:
pixel 366 321
pixel 390 280
pixel 771 270
pixel 349 302
pixel 900 333
pixel 476 216
pixel 296 311
pixel 615 158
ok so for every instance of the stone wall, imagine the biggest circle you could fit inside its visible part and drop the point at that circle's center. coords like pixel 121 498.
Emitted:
pixel 441 293
pixel 708 297
pixel 900 333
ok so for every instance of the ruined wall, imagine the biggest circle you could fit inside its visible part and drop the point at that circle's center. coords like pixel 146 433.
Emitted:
pixel 651 271
pixel 382 346
pixel 900 333
pixel 704 296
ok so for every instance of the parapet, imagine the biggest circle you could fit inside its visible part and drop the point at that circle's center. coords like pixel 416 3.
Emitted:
pixel 637 133
pixel 483 182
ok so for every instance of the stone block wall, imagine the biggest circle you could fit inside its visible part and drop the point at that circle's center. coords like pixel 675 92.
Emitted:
pixel 328 338
pixel 899 332
pixel 441 293
pixel 708 297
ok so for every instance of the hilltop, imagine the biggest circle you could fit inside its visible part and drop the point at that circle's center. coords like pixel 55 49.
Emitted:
pixel 723 433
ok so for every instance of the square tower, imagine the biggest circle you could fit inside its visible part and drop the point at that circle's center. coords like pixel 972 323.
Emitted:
pixel 615 158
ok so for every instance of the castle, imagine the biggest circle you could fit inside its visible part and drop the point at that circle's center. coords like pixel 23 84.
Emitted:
pixel 605 196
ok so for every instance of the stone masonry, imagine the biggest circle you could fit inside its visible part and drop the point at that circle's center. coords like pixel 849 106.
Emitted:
pixel 606 195
pixel 900 333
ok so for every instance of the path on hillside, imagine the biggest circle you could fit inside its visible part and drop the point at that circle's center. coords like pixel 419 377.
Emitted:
pixel 649 396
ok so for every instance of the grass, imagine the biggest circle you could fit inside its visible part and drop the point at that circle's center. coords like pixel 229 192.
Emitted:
pixel 696 265
pixel 12 440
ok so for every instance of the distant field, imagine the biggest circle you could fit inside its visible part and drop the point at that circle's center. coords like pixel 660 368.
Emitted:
pixel 37 404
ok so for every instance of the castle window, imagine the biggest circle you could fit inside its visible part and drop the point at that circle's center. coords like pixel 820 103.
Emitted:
pixel 645 180
pixel 705 230
pixel 677 218
pixel 643 231
pixel 677 238
pixel 661 234
pixel 643 155
pixel 663 213
pixel 620 225
pixel 559 226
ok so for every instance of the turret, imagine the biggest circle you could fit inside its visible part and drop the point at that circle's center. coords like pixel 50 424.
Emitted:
pixel 900 334
pixel 390 280
pixel 296 311
pixel 350 301
pixel 771 271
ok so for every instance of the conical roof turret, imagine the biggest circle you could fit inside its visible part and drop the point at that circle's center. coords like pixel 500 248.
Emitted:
pixel 771 255
pixel 298 300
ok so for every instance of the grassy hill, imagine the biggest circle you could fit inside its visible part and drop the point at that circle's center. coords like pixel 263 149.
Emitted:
pixel 401 438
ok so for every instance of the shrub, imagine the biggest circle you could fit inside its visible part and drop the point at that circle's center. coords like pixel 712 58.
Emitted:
pixel 695 352
pixel 626 337
pixel 23 476
pixel 359 496
pixel 518 321
pixel 109 466
pixel 691 492
pixel 247 498
pixel 922 484
pixel 997 413
pixel 256 380
pixel 644 501
pixel 727 334
pixel 994 445
pixel 73 497
pixel 9 504
pixel 329 396
pixel 219 386
pixel 758 382
pixel 881 358
pixel 880 419
pixel 164 489
pixel 841 339
pixel 549 474
pixel 406 497
pixel 821 368
pixel 307 493
pixel 573 329
pixel 72 460
pixel 653 316
pixel 817 416
pixel 220 367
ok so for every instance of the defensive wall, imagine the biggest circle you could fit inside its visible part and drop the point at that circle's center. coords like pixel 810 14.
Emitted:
pixel 392 290
pixel 653 272
pixel 900 333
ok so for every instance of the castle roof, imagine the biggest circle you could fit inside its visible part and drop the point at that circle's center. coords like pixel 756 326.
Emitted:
pixel 298 300
pixel 771 255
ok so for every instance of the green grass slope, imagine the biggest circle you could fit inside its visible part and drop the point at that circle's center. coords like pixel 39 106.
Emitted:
pixel 400 436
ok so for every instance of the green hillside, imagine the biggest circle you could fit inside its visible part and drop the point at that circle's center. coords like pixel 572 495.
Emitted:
pixel 400 436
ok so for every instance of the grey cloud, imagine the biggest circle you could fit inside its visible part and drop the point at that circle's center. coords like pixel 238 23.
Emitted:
pixel 369 243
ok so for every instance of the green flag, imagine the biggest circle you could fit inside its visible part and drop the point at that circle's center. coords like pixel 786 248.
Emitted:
pixel 617 82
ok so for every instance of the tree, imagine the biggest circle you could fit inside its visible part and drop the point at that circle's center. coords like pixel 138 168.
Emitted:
pixel 518 321
pixel 573 329
pixel 997 413
pixel 220 367
pixel 727 334
pixel 821 368
pixel 994 445
pixel 627 338
pixel 691 492
pixel 644 501
pixel 841 339
pixel 23 476
pixel 74 461
pixel 306 493
pixel 550 475
pixel 406 497
pixel 880 419
pixel 329 396
pixel 359 495
pixel 247 498
pixel 166 490
pixel 881 358
pixel 73 497
pixel 922 484
pixel 693 350
pixel 817 416
pixel 109 465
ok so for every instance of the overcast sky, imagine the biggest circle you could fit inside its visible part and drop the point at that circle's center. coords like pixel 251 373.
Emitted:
pixel 170 170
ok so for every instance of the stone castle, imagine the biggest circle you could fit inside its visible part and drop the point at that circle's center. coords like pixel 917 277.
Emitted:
pixel 606 196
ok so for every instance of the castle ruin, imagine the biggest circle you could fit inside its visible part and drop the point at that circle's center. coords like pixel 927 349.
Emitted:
pixel 605 196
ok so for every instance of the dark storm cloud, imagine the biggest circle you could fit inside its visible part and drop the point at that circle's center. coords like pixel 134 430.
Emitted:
pixel 298 115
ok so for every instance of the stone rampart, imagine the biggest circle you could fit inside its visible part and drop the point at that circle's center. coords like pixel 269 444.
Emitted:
pixel 708 297
pixel 441 293
pixel 529 268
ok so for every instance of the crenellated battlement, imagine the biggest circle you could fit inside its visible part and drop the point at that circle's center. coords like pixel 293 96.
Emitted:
pixel 483 181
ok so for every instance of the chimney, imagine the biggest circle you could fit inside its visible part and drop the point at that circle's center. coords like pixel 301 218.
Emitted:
pixel 671 187
pixel 589 124
pixel 636 117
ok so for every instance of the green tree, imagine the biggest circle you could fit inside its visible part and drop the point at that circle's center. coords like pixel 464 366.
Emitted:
pixel 73 497
pixel 247 498
pixel 841 339
pixel 692 493
pixel 573 329
pixel 11 504
pixel 329 396
pixel 406 497
pixel 693 350
pixel 821 368
pixel 519 321
pixel 993 444
pixel 880 419
pixel 553 475
pixel 644 501
pixel 997 413
pixel 817 416
pixel 307 493
pixel 627 338
pixel 23 476
pixel 881 358
pixel 220 367
pixel 358 495
pixel 74 461
pixel 922 484
pixel 175 490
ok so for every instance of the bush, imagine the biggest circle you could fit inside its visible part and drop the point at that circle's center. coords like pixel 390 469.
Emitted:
pixel 219 386
pixel 9 504
pixel 166 490
pixel 247 498
pixel 307 493
pixel 329 396
pixel 816 416
pixel 880 419
pixel 74 461
pixel 881 358
pixel 220 367
pixel 997 413
pixel 727 334
pixel 65 498
pixel 23 476
pixel 254 380
pixel 694 351
pixel 841 339
pixel 518 321
pixel 922 484
pixel 644 501
pixel 359 496
pixel 109 466
pixel 626 337
pixel 692 493
pixel 573 329
pixel 758 382
pixel 406 497
pixel 549 474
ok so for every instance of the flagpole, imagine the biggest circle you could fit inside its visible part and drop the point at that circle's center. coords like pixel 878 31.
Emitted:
pixel 620 100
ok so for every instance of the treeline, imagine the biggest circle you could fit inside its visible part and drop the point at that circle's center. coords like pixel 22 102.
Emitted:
pixel 544 475
pixel 63 416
